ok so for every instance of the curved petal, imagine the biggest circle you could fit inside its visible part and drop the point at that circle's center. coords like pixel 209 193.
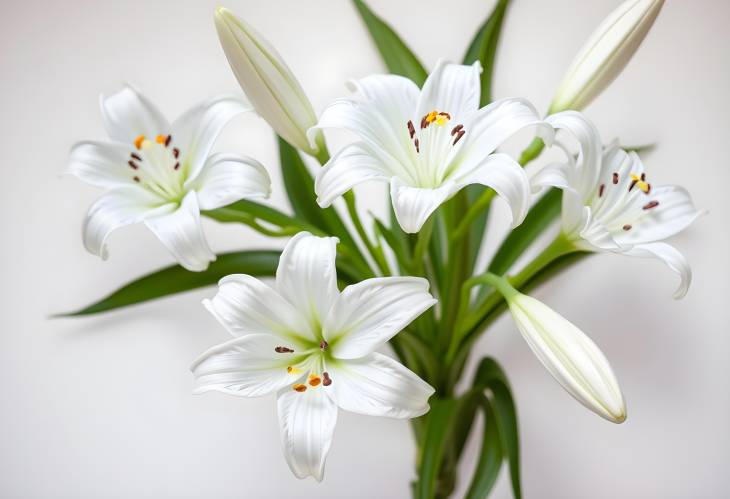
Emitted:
pixel 369 313
pixel 197 129
pixel 307 275
pixel 413 205
pixel 671 257
pixel 248 366
pixel 182 234
pixel 101 164
pixel 226 178
pixel 117 208
pixel 353 165
pixel 451 88
pixel 128 114
pixel 307 421
pixel 377 385
pixel 245 305
pixel 507 178
pixel 570 356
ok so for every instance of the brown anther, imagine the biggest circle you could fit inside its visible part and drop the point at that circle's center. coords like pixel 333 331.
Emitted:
pixel 283 350
pixel 458 137
pixel 456 129
pixel 418 150
pixel 633 184
pixel 650 205
pixel 175 152
pixel 177 166
pixel 627 227
pixel 314 380
pixel 424 122
pixel 323 345
pixel 615 178
pixel 299 388
pixel 600 190
pixel 167 140
pixel 643 176
pixel 135 178
pixel 136 156
pixel 448 116
pixel 648 189
pixel 411 129
pixel 132 164
pixel 326 380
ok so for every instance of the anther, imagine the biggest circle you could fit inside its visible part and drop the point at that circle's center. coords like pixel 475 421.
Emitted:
pixel 167 140
pixel 600 190
pixel 314 380
pixel 615 178
pixel 323 345
pixel 135 178
pixel 447 115
pixel 424 122
pixel 650 205
pixel 136 156
pixel 160 139
pixel 293 370
pixel 177 165
pixel 326 380
pixel 633 184
pixel 458 137
pixel 138 141
pixel 132 164
pixel 456 129
pixel 643 176
pixel 627 227
pixel 411 129
pixel 299 387
pixel 418 150
pixel 175 152
pixel 648 189
pixel 283 350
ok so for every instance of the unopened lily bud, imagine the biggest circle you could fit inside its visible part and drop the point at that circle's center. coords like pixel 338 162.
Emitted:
pixel 267 81
pixel 606 53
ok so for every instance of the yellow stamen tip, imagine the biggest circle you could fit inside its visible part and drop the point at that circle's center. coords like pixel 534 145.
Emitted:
pixel 138 141
pixel 314 380
pixel 160 139
pixel 299 387
pixel 293 370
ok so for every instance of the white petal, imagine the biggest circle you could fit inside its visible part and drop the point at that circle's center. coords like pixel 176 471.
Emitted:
pixel 196 130
pixel 182 234
pixel 413 205
pixel 245 305
pixel 248 366
pixel 670 256
pixel 128 114
pixel 451 88
pixel 307 421
pixel 570 356
pixel 551 175
pixel 377 385
pixel 307 276
pixel 226 178
pixel 117 208
pixel 507 178
pixel 353 165
pixel 101 164
pixel 369 313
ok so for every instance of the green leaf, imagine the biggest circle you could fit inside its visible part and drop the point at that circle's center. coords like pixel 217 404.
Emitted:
pixel 175 279
pixel 397 244
pixel 438 428
pixel 490 376
pixel 478 226
pixel 490 456
pixel 483 48
pixel 251 214
pixel 542 214
pixel 398 58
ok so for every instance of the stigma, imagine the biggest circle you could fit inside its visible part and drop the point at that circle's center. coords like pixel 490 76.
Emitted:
pixel 640 182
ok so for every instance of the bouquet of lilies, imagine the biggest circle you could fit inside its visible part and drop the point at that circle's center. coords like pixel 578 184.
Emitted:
pixel 345 286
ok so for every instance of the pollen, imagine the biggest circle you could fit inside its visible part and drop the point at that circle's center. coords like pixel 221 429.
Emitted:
pixel 440 118
pixel 314 380
pixel 293 370
pixel 299 387
pixel 160 139
pixel 640 182
pixel 138 141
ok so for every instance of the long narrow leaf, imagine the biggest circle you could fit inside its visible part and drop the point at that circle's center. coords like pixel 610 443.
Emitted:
pixel 490 456
pixel 175 279
pixel 435 440
pixel 398 58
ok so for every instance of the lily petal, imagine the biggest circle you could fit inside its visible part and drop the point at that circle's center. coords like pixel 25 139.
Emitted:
pixel 244 305
pixel 453 88
pixel 307 421
pixel 101 164
pixel 377 385
pixel 197 129
pixel 120 207
pixel 413 205
pixel 128 114
pixel 182 234
pixel 226 178
pixel 352 165
pixel 248 366
pixel 507 178
pixel 307 275
pixel 671 257
pixel 369 313
pixel 570 356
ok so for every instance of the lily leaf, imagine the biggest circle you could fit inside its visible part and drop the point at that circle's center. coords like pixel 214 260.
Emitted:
pixel 251 214
pixel 398 58
pixel 439 423
pixel 175 279
pixel 490 456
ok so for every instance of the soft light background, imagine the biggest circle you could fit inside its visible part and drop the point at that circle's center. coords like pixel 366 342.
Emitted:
pixel 101 407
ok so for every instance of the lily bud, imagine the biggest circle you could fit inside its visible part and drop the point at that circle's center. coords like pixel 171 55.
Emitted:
pixel 268 82
pixel 567 353
pixel 606 53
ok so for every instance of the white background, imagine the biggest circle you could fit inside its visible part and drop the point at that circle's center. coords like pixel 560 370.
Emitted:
pixel 101 407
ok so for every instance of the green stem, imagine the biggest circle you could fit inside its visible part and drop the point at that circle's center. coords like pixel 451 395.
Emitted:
pixel 533 151
pixel 424 236
pixel 474 211
pixel 375 253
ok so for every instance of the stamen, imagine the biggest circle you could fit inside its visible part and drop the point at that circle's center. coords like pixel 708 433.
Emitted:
pixel 643 176
pixel 424 123
pixel 446 115
pixel 648 189
pixel 458 137
pixel 299 387
pixel 293 370
pixel 327 381
pixel 177 166
pixel 167 140
pixel 650 205
pixel 138 141
pixel 160 139
pixel 418 150
pixel 633 184
pixel 135 178
pixel 600 190
pixel 411 130
pixel 136 156
pixel 323 345
pixel 456 129
pixel 133 165
pixel 314 380
pixel 175 152
pixel 627 227
pixel 283 350
pixel 615 178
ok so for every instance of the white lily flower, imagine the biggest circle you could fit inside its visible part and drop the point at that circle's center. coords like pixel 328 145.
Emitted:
pixel 163 174
pixel 605 54
pixel 315 347
pixel 569 355
pixel 427 143
pixel 267 81
pixel 609 203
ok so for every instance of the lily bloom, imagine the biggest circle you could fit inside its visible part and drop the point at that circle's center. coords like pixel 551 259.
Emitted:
pixel 163 173
pixel 610 204
pixel 314 346
pixel 428 143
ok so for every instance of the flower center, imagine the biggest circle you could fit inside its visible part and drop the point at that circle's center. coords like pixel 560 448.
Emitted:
pixel 626 208
pixel 156 166
pixel 312 365
pixel 433 142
